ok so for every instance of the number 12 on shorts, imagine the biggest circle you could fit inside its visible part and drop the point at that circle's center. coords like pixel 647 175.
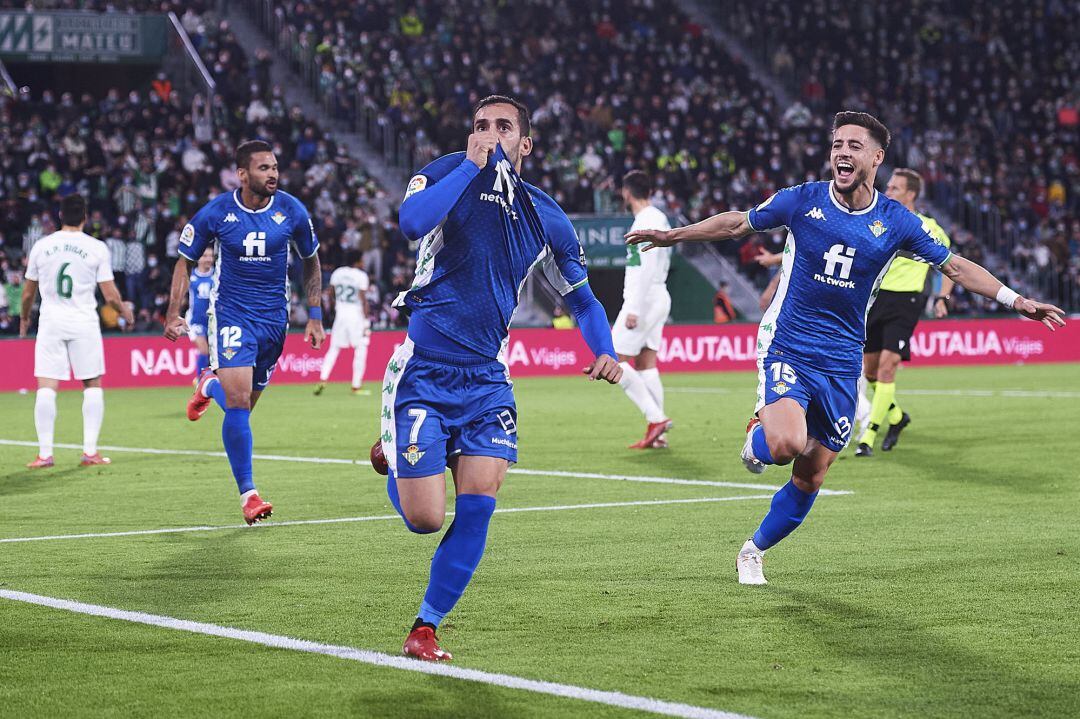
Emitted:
pixel 230 336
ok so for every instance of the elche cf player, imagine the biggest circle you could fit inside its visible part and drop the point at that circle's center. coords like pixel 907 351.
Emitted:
pixel 252 228
pixel 202 284
pixel 447 400
pixel 891 323
pixel 348 291
pixel 639 328
pixel 842 237
pixel 68 267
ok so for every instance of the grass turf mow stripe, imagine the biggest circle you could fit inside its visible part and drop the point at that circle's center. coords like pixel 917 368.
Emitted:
pixel 342 520
pixel 512 470
pixel 567 691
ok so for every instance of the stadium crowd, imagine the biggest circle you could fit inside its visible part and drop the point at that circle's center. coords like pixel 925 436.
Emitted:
pixel 147 159
pixel 989 114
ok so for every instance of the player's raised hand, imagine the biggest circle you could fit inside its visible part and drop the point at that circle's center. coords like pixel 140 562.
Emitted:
pixel 314 334
pixel 1049 315
pixel 650 239
pixel 175 328
pixel 480 147
pixel 604 367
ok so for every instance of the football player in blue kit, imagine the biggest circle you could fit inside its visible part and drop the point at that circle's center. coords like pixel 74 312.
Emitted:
pixel 202 284
pixel 842 236
pixel 252 228
pixel 447 400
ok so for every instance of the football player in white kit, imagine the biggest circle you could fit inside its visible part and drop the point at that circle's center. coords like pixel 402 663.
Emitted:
pixel 348 287
pixel 646 304
pixel 68 266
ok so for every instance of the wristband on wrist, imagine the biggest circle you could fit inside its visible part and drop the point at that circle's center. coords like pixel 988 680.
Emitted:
pixel 315 313
pixel 943 298
pixel 1007 296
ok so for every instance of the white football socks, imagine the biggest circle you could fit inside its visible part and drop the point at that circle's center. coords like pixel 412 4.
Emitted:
pixel 651 377
pixel 45 420
pixel 93 412
pixel 359 364
pixel 639 394
pixel 328 362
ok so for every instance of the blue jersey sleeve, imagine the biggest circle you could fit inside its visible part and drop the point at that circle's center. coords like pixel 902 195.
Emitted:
pixel 776 211
pixel 433 192
pixel 918 240
pixel 199 233
pixel 565 265
pixel 303 237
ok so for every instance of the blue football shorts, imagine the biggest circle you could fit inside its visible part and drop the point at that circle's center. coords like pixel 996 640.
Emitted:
pixel 237 341
pixel 829 401
pixel 436 407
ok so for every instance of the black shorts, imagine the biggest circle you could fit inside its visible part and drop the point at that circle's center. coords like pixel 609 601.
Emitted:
pixel 892 321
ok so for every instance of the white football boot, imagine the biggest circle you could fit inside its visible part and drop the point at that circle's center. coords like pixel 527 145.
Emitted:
pixel 749 563
pixel 748 459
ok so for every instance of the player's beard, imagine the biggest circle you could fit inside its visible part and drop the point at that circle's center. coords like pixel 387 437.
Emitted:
pixel 262 190
pixel 859 178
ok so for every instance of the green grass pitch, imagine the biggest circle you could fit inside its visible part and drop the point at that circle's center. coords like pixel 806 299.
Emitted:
pixel 945 585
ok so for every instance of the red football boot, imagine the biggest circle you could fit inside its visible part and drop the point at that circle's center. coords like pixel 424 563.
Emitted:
pixel 88 460
pixel 423 644
pixel 652 433
pixel 199 403
pixel 40 463
pixel 378 459
pixel 257 509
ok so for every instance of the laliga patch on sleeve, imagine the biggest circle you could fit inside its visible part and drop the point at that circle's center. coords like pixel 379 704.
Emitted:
pixel 581 256
pixel 416 184
pixel 187 235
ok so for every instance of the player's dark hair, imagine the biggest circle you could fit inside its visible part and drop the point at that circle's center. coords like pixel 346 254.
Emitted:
pixel 523 112
pixel 73 210
pixel 245 150
pixel 352 257
pixel 878 131
pixel 638 183
pixel 912 178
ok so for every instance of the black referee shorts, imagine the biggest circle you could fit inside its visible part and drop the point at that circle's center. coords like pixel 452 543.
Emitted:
pixel 892 321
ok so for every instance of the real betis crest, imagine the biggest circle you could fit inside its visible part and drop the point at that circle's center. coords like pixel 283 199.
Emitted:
pixel 877 228
pixel 412 454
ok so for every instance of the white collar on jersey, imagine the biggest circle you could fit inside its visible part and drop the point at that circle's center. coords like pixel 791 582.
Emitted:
pixel 236 199
pixel 832 196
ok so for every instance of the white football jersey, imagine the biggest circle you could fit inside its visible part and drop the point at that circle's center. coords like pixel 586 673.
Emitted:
pixel 68 267
pixel 350 284
pixel 646 272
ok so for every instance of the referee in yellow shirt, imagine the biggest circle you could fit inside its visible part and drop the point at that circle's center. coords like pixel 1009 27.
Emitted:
pixel 892 321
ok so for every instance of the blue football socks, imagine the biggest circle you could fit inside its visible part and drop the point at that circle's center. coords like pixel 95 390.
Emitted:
pixel 457 557
pixel 236 436
pixel 201 363
pixel 216 392
pixel 760 446
pixel 789 508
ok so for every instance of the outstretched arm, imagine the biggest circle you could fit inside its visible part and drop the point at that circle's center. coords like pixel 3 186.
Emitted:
pixel 729 225
pixel 594 327
pixel 314 332
pixel 175 326
pixel 977 279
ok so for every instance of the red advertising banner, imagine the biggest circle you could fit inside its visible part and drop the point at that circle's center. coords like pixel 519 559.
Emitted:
pixel 147 361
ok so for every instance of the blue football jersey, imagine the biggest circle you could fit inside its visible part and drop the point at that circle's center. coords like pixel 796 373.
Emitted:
pixel 199 295
pixel 471 267
pixel 834 261
pixel 252 252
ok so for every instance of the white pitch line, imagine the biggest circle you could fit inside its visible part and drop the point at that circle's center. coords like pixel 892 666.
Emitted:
pixel 513 470
pixel 366 656
pixel 381 517
pixel 1013 393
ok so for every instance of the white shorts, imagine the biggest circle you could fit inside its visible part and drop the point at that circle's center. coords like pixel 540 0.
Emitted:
pixel 62 352
pixel 649 330
pixel 349 332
